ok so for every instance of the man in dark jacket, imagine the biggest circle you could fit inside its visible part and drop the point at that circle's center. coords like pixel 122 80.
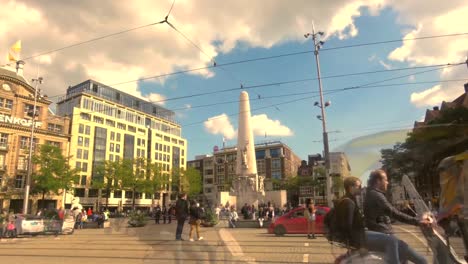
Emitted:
pixel 182 212
pixel 377 211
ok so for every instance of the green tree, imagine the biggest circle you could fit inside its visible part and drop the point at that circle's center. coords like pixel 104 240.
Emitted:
pixel 108 177
pixel 133 178
pixel 194 181
pixel 156 179
pixel 426 146
pixel 186 180
pixel 54 173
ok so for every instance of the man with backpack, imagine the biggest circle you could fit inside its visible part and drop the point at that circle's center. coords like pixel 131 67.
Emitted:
pixel 346 222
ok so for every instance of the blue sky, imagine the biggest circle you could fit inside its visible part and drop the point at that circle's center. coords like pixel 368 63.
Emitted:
pixel 239 30
pixel 355 113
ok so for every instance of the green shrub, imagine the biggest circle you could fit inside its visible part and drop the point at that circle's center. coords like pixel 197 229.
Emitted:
pixel 210 218
pixel 137 219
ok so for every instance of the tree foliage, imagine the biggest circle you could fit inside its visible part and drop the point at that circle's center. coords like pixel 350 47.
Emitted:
pixel 426 146
pixel 186 180
pixel 54 173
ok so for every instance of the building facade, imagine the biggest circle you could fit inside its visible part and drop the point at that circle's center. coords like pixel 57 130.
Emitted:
pixel 205 165
pixel 110 125
pixel 275 160
pixel 16 102
pixel 314 169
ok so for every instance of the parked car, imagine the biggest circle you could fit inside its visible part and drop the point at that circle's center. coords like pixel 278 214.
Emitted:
pixel 294 222
pixel 29 225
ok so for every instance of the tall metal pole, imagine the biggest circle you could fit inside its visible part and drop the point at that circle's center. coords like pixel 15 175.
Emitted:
pixel 324 122
pixel 31 144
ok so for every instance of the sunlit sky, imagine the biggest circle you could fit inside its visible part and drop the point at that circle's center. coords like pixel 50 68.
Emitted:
pixel 233 31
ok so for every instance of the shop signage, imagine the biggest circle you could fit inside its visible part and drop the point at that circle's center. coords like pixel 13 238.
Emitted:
pixel 18 121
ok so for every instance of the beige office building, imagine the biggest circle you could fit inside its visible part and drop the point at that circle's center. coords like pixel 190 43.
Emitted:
pixel 108 124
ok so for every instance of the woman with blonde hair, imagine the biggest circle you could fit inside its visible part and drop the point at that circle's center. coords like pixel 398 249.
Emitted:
pixel 309 214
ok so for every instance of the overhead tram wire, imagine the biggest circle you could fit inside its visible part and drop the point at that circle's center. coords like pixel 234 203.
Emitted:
pixel 314 92
pixel 289 82
pixel 307 93
pixel 440 66
pixel 395 40
pixel 330 91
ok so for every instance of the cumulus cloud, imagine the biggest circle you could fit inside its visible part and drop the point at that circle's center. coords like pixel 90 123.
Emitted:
pixel 261 124
pixel 436 18
pixel 158 49
pixel 220 125
pixel 156 98
pixel 432 96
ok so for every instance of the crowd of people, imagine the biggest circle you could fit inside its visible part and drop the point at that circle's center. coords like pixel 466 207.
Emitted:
pixel 264 212
pixel 85 216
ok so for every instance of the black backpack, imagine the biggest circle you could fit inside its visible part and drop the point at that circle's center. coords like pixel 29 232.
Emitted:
pixel 332 227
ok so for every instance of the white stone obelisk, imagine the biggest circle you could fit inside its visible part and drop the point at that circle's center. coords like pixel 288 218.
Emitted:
pixel 246 184
pixel 246 161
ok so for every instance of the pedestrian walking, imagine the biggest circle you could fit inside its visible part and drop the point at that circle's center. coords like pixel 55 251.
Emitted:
pixel 309 213
pixel 157 214
pixel 196 213
pixel 182 212
pixel 261 216
pixel 165 213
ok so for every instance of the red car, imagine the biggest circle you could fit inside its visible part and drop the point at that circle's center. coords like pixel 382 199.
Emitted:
pixel 294 222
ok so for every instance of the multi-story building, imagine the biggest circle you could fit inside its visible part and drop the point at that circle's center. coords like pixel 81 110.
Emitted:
pixel 108 124
pixel 315 169
pixel 339 165
pixel 16 111
pixel 275 160
pixel 205 165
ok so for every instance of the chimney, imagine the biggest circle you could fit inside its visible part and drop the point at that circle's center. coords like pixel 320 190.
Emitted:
pixel 466 87
pixel 435 108
pixel 19 68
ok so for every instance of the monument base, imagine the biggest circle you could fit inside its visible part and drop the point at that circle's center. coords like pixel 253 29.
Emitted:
pixel 278 198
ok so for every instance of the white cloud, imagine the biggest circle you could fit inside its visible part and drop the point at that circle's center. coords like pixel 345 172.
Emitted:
pixel 432 96
pixel 220 125
pixel 436 18
pixel 261 124
pixel 156 98
pixel 158 49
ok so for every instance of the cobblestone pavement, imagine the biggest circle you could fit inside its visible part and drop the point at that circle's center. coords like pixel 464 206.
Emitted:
pixel 156 244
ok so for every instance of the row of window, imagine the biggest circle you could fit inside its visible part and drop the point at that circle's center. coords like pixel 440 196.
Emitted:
pixel 83 142
pixel 82 154
pixel 83 166
pixel 55 128
pixel 114 148
pixel 80 192
pixel 6 103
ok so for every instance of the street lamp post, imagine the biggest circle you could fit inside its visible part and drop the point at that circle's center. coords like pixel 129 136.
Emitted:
pixel 322 117
pixel 31 145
